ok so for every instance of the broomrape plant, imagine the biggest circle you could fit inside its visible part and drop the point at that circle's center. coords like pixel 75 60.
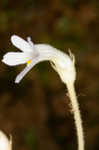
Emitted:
pixel 63 64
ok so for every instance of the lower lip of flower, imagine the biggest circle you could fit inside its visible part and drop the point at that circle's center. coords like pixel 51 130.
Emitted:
pixel 28 62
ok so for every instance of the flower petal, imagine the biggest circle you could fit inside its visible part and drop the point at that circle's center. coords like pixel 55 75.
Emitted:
pixel 30 42
pixel 27 69
pixel 16 58
pixel 21 44
pixel 5 143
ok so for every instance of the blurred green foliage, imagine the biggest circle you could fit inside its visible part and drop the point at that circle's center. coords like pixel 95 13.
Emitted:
pixel 31 139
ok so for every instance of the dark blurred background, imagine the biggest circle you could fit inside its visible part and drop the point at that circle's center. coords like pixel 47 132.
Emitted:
pixel 37 111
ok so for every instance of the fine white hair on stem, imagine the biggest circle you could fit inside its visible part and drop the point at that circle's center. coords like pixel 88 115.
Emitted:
pixel 73 98
pixel 77 116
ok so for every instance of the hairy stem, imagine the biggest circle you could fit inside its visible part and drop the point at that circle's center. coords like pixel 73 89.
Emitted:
pixel 77 116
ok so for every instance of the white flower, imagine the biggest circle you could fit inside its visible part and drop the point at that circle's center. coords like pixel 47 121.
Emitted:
pixel 63 64
pixel 34 53
pixel 5 143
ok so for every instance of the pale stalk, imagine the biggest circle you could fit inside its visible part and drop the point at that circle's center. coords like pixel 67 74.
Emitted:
pixel 77 116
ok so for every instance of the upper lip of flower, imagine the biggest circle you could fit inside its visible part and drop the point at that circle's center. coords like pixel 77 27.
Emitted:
pixel 25 56
pixel 32 54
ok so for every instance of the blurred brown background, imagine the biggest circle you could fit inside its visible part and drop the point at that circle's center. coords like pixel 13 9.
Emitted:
pixel 37 111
